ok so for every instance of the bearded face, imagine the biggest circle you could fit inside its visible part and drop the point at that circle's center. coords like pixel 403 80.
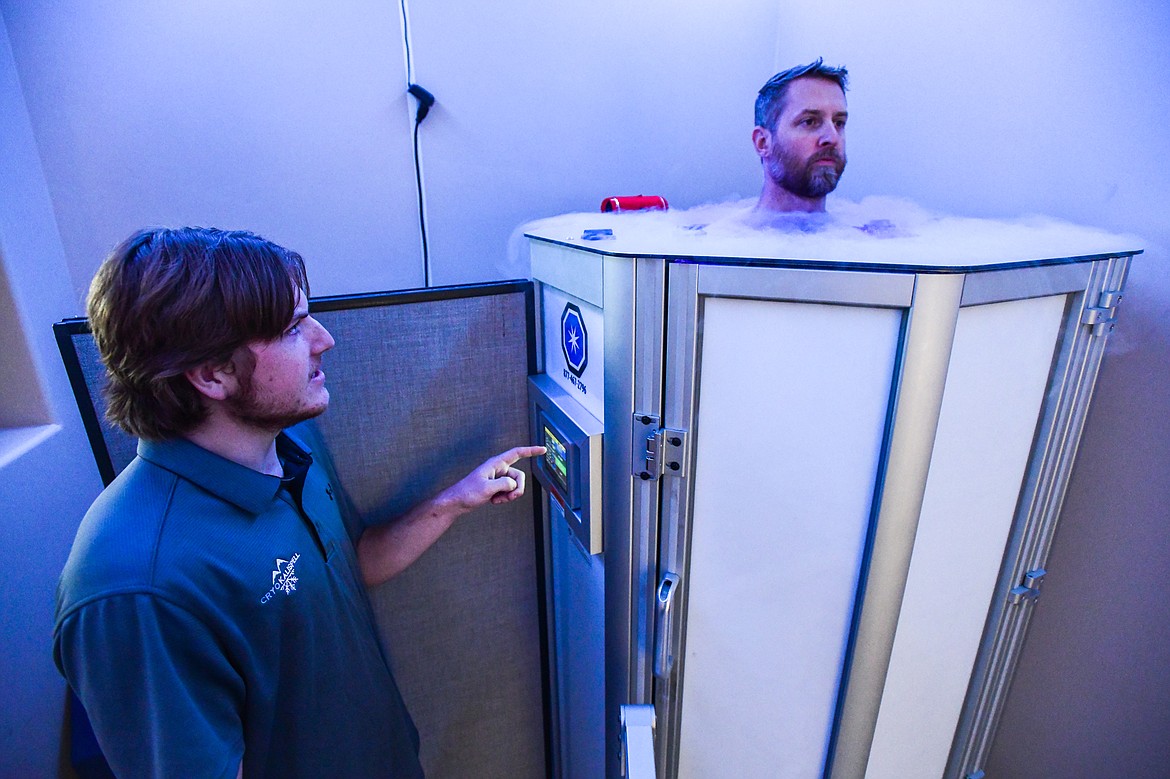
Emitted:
pixel 280 382
pixel 803 153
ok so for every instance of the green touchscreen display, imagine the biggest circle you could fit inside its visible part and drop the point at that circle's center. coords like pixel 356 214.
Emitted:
pixel 556 458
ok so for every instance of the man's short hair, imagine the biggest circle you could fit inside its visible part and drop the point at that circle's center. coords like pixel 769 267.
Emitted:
pixel 770 103
pixel 169 300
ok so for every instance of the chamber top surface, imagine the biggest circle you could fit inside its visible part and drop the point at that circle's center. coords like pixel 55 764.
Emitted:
pixel 880 234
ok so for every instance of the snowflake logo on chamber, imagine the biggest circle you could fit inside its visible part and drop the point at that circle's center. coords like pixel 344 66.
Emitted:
pixel 574 340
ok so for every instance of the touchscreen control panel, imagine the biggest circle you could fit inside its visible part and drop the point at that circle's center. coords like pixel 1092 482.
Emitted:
pixel 571 467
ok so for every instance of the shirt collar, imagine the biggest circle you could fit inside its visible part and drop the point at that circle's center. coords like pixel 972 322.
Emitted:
pixel 237 484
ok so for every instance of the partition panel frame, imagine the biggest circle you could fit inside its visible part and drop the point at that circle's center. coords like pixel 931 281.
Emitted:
pixel 535 716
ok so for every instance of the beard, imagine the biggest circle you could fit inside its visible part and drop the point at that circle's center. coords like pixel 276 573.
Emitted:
pixel 249 407
pixel 262 416
pixel 806 178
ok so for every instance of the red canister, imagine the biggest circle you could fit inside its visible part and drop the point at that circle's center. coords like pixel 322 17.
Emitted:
pixel 634 203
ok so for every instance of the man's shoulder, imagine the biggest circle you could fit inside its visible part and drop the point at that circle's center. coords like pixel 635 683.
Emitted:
pixel 117 541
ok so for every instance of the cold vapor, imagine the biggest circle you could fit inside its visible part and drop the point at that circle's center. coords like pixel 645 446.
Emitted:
pixel 877 230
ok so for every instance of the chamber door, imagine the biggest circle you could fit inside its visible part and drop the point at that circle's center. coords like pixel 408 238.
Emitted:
pixel 781 380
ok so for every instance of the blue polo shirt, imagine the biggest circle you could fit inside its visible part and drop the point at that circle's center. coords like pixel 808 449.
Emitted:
pixel 207 614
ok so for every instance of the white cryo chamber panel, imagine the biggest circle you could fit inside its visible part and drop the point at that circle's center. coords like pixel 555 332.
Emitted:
pixel 573 335
pixel 1000 366
pixel 781 511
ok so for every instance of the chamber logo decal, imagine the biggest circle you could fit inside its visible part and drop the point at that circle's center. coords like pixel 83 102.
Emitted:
pixel 284 578
pixel 574 340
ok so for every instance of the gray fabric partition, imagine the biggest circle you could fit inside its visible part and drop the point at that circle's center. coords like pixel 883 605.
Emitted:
pixel 120 447
pixel 424 387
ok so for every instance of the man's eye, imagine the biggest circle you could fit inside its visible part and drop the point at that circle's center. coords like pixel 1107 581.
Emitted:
pixel 293 330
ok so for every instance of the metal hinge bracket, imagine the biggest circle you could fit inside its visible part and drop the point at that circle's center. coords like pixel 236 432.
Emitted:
pixel 1103 316
pixel 657 450
pixel 1028 589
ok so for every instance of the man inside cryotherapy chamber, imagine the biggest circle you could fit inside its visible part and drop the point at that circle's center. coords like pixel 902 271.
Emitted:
pixel 800 138
pixel 212 616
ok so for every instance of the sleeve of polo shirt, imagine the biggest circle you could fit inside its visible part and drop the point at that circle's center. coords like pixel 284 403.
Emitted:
pixel 163 699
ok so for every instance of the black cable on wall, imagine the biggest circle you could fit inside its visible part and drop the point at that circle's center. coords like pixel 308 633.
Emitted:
pixel 425 101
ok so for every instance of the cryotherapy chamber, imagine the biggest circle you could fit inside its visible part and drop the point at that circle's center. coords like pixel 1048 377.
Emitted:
pixel 828 489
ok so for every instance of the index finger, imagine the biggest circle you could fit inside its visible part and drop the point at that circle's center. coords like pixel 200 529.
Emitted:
pixel 520 452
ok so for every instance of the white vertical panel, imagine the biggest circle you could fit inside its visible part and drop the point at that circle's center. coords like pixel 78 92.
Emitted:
pixel 999 370
pixel 588 388
pixel 793 406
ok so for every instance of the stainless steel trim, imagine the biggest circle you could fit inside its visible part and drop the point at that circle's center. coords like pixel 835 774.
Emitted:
pixel 649 314
pixel 809 286
pixel 679 404
pixel 925 357
pixel 1075 370
pixel 1020 283
pixel 617 500
pixel 664 597
pixel 633 290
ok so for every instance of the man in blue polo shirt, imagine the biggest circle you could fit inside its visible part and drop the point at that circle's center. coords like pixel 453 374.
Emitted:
pixel 212 616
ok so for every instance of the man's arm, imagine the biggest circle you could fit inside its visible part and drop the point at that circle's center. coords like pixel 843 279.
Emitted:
pixel 162 696
pixel 386 550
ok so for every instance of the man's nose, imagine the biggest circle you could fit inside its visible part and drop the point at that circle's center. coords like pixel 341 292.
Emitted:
pixel 322 341
pixel 830 135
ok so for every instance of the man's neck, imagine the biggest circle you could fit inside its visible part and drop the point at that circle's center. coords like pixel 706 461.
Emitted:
pixel 776 198
pixel 251 447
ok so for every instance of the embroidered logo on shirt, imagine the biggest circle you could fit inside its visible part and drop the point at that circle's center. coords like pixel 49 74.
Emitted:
pixel 284 578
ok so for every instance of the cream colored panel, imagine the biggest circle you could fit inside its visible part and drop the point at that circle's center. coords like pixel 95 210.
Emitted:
pixel 794 399
pixel 995 387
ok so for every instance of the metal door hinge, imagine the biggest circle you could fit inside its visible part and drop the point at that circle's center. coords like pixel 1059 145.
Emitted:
pixel 657 450
pixel 1103 316
pixel 1028 589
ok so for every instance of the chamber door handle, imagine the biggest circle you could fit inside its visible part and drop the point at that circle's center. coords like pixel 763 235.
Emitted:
pixel 664 656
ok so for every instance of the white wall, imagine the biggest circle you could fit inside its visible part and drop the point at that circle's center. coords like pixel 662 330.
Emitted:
pixel 287 119
pixel 546 108
pixel 1000 108
pixel 42 491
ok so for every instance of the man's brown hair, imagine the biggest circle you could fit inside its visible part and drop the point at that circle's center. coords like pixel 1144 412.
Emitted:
pixel 169 300
pixel 770 101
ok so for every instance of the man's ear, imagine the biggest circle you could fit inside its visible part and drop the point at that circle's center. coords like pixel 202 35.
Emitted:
pixel 762 140
pixel 214 381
